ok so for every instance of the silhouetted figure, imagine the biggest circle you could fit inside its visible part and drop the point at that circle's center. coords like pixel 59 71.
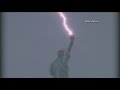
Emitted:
pixel 59 67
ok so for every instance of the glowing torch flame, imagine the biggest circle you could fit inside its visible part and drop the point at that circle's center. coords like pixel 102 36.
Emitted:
pixel 61 14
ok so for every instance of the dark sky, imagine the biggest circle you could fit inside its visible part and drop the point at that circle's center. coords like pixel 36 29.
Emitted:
pixel 32 39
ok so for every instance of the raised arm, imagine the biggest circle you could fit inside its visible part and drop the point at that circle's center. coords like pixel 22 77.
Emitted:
pixel 71 43
pixel 67 54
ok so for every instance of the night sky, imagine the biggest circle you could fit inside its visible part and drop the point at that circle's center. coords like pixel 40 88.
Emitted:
pixel 31 41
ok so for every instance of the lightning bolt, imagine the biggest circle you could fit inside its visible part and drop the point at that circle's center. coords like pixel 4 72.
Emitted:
pixel 62 15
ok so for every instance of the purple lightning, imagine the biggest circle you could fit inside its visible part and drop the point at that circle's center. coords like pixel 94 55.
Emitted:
pixel 62 15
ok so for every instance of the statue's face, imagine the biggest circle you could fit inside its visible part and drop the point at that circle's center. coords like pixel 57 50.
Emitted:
pixel 60 53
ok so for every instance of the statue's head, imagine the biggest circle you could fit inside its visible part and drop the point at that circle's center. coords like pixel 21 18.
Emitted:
pixel 61 53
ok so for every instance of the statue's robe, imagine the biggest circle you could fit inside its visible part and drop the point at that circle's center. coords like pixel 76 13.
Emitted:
pixel 59 67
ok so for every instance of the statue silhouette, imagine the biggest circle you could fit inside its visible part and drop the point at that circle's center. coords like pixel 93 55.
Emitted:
pixel 59 67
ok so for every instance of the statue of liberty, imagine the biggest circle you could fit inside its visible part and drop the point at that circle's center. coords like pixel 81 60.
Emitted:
pixel 59 67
